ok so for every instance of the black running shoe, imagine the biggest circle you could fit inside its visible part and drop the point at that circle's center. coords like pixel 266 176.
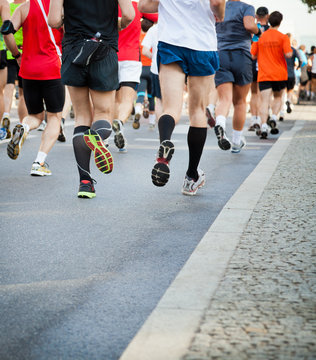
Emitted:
pixel 86 189
pixel 160 173
pixel 274 130
pixel 61 136
pixel 288 107
pixel 223 141
pixel 210 119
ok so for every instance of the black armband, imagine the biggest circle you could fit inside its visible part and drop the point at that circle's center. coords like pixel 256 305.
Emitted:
pixel 259 33
pixel 7 28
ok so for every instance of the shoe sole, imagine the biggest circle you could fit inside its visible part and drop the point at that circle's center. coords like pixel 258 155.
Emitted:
pixel 86 195
pixel 210 119
pixel 274 129
pixel 37 173
pixel 193 192
pixel 237 151
pixel 160 173
pixel 6 125
pixel 102 156
pixel 119 139
pixel 15 144
pixel 223 143
pixel 61 136
pixel 264 135
pixel 288 108
pixel 136 123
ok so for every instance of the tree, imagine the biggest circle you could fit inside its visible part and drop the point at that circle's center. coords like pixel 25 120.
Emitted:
pixel 311 4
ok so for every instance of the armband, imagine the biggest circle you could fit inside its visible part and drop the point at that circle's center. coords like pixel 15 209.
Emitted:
pixel 7 28
pixel 259 33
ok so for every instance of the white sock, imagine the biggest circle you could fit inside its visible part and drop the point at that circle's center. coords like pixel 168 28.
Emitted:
pixel 5 115
pixel 258 120
pixel 253 119
pixel 274 117
pixel 152 118
pixel 211 107
pixel 221 120
pixel 264 126
pixel 26 127
pixel 138 108
pixel 236 136
pixel 41 157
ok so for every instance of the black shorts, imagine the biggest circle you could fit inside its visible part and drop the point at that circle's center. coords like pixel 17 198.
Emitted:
pixel 254 71
pixel 3 59
pixel 38 92
pixel 274 85
pixel 235 67
pixel 290 83
pixel 101 75
pixel 13 71
pixel 155 88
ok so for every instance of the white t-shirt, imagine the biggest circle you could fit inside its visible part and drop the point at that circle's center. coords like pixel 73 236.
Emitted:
pixel 150 41
pixel 187 23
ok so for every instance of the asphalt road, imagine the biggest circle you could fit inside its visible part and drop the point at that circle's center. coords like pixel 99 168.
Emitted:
pixel 79 277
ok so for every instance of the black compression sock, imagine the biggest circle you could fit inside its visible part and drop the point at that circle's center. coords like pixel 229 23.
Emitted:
pixel 196 140
pixel 166 125
pixel 82 152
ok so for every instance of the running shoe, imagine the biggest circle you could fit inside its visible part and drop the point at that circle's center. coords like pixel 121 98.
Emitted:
pixel 102 156
pixel 210 118
pixel 42 126
pixel 288 107
pixel 6 125
pixel 118 128
pixel 71 112
pixel 3 133
pixel 273 125
pixel 136 123
pixel 61 136
pixel 40 169
pixel 18 136
pixel 190 187
pixel 236 148
pixel 263 133
pixel 86 189
pixel 254 127
pixel 146 109
pixel 160 173
pixel 223 141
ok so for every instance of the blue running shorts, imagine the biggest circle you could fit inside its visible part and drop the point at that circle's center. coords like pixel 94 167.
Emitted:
pixel 192 62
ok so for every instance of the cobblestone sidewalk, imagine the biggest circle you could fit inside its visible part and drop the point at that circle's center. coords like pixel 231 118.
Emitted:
pixel 265 306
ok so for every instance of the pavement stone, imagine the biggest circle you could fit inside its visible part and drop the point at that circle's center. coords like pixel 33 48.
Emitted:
pixel 265 305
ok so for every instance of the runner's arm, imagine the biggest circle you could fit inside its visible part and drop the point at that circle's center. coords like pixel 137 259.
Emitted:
pixel 146 52
pixel 56 14
pixel 128 13
pixel 17 20
pixel 218 9
pixel 148 6
pixel 4 10
pixel 251 26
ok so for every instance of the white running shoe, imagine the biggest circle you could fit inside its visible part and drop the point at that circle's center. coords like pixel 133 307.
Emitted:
pixel 40 169
pixel 190 187
pixel 236 148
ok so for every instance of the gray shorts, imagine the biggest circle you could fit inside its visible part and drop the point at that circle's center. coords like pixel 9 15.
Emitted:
pixel 101 75
pixel 235 67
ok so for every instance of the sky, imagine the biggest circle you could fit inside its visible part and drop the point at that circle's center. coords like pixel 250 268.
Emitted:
pixel 296 18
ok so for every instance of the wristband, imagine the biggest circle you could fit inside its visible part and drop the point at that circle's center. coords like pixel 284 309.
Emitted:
pixel 17 55
pixel 259 33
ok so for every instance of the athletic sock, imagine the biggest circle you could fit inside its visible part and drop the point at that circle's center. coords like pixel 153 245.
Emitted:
pixel 196 140
pixel 103 128
pixel 221 120
pixel 274 117
pixel 138 108
pixel 166 125
pixel 152 118
pixel 236 136
pixel 5 115
pixel 26 127
pixel 82 152
pixel 41 157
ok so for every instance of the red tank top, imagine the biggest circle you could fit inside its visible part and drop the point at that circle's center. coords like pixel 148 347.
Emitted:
pixel 40 60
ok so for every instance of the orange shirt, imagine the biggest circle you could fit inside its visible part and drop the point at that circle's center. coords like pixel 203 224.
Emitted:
pixel 270 50
pixel 144 59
